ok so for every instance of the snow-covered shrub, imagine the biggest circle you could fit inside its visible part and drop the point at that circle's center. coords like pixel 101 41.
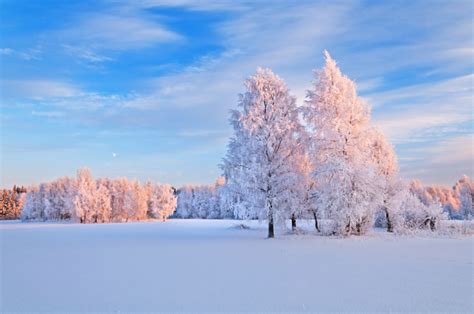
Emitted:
pixel 414 215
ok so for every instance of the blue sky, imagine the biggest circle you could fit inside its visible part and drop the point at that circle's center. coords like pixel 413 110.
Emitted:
pixel 143 88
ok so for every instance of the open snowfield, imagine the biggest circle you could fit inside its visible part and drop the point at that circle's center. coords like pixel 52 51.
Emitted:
pixel 204 266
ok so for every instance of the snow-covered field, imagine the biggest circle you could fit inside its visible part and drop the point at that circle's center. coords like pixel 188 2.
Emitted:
pixel 209 265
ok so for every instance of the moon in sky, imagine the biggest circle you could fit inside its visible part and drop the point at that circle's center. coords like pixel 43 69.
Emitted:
pixel 114 155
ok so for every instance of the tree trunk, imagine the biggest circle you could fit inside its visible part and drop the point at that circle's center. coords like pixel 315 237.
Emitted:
pixel 293 222
pixel 389 221
pixel 348 228
pixel 316 224
pixel 271 233
pixel 432 224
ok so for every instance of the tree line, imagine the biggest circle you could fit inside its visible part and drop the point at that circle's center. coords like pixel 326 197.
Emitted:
pixel 87 200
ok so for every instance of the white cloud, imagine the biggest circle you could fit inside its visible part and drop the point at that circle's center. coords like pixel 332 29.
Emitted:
pixel 440 162
pixel 86 54
pixel 287 42
pixel 6 51
pixel 28 54
pixel 203 133
pixel 117 32
pixel 457 149
pixel 203 5
pixel 48 114
pixel 38 89
pixel 405 113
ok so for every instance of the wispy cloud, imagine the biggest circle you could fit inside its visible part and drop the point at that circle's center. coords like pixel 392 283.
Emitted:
pixel 27 54
pixel 86 54
pixel 441 162
pixel 102 31
pixel 405 113
pixel 6 51
pixel 48 114
pixel 458 149
pixel 203 5
pixel 38 89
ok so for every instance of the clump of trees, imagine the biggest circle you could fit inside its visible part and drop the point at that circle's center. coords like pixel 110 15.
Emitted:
pixel 204 201
pixel 322 159
pixel 457 201
pixel 11 202
pixel 87 200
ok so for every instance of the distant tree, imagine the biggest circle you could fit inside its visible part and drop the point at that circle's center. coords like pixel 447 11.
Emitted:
pixel 96 201
pixel 419 190
pixel 467 197
pixel 161 200
pixel 184 207
pixel 102 203
pixel 118 189
pixel 135 202
pixel 85 196
pixel 227 199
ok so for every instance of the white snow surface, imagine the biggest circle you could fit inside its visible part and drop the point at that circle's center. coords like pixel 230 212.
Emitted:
pixel 215 266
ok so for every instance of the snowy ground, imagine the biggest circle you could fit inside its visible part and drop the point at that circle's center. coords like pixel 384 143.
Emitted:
pixel 198 265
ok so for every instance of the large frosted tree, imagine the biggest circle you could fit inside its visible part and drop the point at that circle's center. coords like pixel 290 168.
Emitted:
pixel 257 165
pixel 338 120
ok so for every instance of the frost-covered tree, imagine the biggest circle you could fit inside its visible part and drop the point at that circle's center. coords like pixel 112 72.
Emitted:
pixel 212 201
pixel 299 197
pixel 135 202
pixel 92 201
pixel 103 208
pixel 257 162
pixel 417 215
pixel 118 189
pixel 383 157
pixel 202 201
pixel 32 208
pixel 224 199
pixel 466 194
pixel 450 199
pixel 11 202
pixel 85 196
pixel 161 200
pixel 350 190
pixel 184 207
pixel 408 212
pixel 60 199
pixel 419 190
